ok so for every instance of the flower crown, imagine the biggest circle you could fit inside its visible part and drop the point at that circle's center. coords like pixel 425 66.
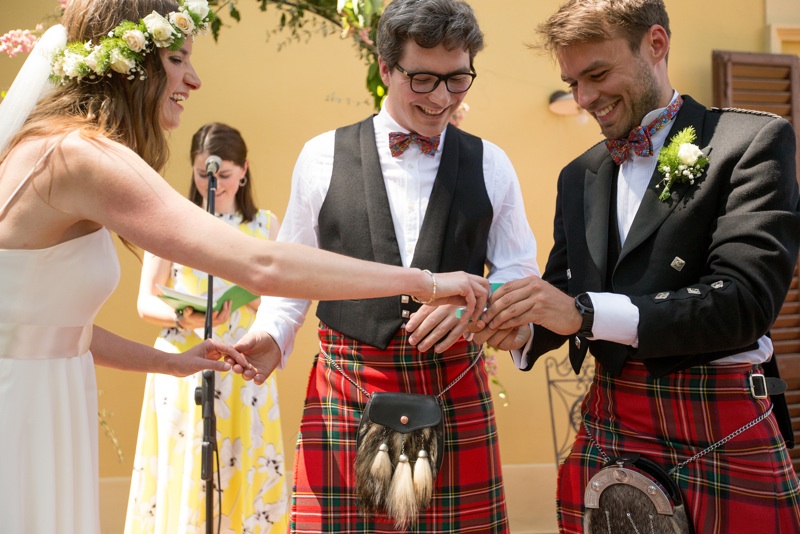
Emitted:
pixel 125 47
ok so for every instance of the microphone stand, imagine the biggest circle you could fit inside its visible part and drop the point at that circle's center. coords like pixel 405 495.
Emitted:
pixel 204 395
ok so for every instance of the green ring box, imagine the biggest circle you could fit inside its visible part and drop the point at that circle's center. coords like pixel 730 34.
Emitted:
pixel 493 287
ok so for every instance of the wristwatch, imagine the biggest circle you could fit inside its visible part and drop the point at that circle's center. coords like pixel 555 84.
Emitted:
pixel 584 304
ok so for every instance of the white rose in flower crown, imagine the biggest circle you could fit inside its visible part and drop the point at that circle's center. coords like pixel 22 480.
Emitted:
pixel 72 64
pixel 198 7
pixel 135 40
pixel 160 29
pixel 92 59
pixel 120 63
pixel 689 153
pixel 183 21
pixel 123 48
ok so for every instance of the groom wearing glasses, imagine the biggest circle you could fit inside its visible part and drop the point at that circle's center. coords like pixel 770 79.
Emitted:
pixel 403 187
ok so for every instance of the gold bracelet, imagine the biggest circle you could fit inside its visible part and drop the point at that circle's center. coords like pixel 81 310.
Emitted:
pixel 433 296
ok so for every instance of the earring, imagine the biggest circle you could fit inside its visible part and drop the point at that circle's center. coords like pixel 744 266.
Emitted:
pixel 243 181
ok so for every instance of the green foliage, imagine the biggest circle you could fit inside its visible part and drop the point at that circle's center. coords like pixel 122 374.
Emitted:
pixel 352 19
pixel 375 85
pixel 490 364
pixel 235 15
pixel 687 135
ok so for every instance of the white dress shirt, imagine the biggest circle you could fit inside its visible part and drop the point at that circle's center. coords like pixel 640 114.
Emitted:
pixel 409 178
pixel 615 317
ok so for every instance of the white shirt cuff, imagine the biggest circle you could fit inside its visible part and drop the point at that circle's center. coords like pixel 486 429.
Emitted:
pixel 615 319
pixel 520 356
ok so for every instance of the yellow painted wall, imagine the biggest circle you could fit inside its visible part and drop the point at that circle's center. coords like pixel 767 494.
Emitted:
pixel 279 99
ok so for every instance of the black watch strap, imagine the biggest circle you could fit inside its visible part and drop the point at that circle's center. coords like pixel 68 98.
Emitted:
pixel 583 303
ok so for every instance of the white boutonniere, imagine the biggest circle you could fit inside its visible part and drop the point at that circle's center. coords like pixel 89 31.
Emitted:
pixel 681 161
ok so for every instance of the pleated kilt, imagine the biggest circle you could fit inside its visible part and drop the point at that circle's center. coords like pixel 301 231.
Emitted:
pixel 468 494
pixel 747 485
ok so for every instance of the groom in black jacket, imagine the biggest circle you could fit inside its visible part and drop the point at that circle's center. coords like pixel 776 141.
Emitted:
pixel 675 243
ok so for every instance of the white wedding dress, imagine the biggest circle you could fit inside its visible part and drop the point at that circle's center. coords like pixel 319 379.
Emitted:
pixel 48 394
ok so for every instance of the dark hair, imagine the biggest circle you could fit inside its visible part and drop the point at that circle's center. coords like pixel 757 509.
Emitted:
pixel 579 21
pixel 126 111
pixel 428 23
pixel 218 139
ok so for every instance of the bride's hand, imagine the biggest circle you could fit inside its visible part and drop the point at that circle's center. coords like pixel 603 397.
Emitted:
pixel 463 289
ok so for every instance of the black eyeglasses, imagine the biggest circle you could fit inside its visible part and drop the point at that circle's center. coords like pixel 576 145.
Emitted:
pixel 427 82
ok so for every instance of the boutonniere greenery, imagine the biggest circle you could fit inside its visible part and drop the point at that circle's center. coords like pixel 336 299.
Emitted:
pixel 681 161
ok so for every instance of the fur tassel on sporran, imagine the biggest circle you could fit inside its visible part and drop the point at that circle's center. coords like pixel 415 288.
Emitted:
pixel 401 504
pixel 423 480
pixel 373 467
pixel 386 480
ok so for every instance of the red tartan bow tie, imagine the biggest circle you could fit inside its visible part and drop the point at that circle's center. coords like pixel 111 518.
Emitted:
pixel 639 140
pixel 399 142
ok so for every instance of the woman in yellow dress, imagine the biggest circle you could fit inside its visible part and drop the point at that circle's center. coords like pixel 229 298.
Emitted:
pixel 167 494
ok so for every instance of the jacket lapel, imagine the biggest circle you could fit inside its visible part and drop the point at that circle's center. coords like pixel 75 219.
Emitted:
pixel 596 205
pixel 652 211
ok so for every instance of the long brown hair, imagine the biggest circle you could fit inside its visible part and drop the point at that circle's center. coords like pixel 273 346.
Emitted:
pixel 126 111
pixel 221 140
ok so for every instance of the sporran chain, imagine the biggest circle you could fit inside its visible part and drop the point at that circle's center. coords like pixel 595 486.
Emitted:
pixel 333 363
pixel 388 482
pixel 700 454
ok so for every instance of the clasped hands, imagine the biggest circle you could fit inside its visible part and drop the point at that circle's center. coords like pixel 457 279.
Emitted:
pixel 452 289
pixel 505 322
pixel 503 325
pixel 520 303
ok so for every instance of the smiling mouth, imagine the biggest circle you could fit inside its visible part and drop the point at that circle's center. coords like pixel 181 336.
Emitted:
pixel 605 111
pixel 431 112
pixel 177 98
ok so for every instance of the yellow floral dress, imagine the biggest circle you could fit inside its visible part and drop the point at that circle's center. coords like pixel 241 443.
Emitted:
pixel 167 495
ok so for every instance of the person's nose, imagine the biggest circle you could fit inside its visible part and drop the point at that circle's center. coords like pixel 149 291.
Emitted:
pixel 440 96
pixel 192 79
pixel 584 95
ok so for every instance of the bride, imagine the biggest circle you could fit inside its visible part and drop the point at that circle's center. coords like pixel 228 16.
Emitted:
pixel 78 161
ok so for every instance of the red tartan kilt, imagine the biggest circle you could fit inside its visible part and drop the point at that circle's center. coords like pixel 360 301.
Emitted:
pixel 746 485
pixel 468 494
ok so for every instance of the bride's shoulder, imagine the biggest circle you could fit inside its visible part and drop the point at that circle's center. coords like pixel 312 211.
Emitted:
pixel 71 146
pixel 87 151
pixel 79 142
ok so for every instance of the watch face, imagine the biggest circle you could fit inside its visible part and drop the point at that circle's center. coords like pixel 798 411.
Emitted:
pixel 585 300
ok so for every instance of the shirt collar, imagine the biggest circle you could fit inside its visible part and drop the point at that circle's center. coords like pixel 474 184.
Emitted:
pixel 660 136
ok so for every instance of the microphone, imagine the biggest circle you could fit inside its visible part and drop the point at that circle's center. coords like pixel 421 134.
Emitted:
pixel 213 164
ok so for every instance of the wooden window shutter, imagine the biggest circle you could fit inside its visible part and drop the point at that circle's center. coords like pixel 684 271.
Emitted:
pixel 770 82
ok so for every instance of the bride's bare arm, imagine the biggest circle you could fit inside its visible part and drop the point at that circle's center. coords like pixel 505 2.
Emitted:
pixel 111 350
pixel 107 183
